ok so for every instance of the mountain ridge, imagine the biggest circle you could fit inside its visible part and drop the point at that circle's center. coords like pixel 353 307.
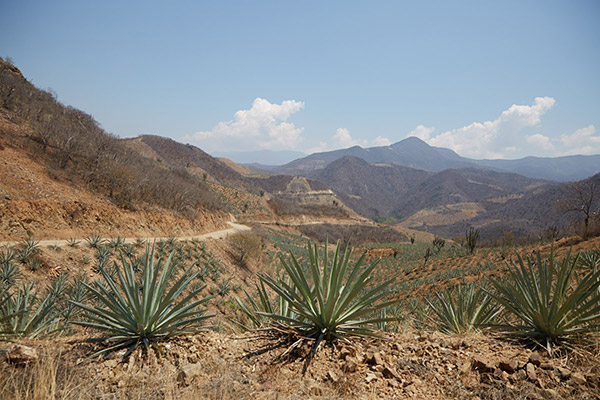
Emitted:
pixel 415 153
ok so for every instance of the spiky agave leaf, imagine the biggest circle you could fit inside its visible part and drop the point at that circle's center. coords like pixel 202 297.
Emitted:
pixel 30 317
pixel 131 313
pixel 9 274
pixel 254 310
pixel 590 259
pixel 6 315
pixel 463 310
pixel 548 304
pixel 332 300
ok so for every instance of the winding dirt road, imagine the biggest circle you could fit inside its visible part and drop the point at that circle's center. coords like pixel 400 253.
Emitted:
pixel 205 236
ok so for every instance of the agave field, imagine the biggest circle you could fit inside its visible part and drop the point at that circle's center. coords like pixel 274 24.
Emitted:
pixel 305 299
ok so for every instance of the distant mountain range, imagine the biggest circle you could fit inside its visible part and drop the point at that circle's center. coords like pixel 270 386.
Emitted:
pixel 450 201
pixel 387 190
pixel 439 200
pixel 409 183
pixel 440 192
pixel 415 153
pixel 265 157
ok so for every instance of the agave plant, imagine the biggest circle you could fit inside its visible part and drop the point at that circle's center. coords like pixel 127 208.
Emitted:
pixel 7 255
pixel 75 292
pixel 116 243
pixel 9 274
pixel 548 303
pixel 104 253
pixel 94 241
pixel 30 317
pixel 5 317
pixel 463 310
pixel 254 310
pixel 333 300
pixel 132 313
pixel 590 259
pixel 30 247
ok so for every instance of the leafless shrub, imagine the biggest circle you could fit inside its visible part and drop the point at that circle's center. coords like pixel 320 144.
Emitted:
pixel 244 247
pixel 76 148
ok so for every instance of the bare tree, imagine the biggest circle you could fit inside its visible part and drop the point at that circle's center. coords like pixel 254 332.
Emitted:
pixel 580 197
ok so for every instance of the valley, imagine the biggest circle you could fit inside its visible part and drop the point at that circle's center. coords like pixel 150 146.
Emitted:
pixel 368 273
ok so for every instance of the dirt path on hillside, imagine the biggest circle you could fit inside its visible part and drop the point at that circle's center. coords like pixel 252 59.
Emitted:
pixel 220 234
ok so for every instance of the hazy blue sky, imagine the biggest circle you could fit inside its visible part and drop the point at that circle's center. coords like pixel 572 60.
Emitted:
pixel 485 78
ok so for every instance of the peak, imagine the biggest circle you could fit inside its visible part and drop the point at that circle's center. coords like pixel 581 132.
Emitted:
pixel 411 140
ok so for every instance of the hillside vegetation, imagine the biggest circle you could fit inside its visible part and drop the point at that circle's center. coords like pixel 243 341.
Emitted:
pixel 260 311
pixel 145 174
pixel 74 146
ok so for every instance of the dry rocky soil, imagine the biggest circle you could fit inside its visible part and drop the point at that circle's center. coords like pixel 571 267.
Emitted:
pixel 420 365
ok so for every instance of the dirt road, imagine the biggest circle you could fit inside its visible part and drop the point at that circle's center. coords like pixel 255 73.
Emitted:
pixel 205 236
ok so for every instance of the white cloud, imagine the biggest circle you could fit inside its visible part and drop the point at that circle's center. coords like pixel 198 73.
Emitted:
pixel 264 125
pixel 485 139
pixel 381 141
pixel 540 141
pixel 582 141
pixel 342 139
pixel 422 132
pixel 318 149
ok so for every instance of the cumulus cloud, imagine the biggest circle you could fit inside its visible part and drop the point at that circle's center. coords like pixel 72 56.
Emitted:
pixel 264 125
pixel 490 139
pixel 381 141
pixel 343 139
pixel 582 141
pixel 540 141
pixel 318 149
pixel 422 132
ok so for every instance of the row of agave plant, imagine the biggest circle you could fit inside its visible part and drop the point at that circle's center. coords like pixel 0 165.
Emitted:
pixel 544 300
pixel 322 297
pixel 547 301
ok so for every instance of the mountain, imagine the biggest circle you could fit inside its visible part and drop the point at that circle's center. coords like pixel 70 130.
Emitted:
pixel 261 157
pixel 63 175
pixel 561 169
pixel 290 195
pixel 370 189
pixel 411 152
pixel 415 153
pixel 189 158
pixel 453 186
pixel 385 190
pixel 197 162
pixel 532 213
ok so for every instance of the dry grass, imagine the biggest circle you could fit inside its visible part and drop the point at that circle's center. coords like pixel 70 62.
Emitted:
pixel 45 379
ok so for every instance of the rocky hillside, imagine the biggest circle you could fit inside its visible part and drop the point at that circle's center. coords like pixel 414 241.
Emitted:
pixel 189 158
pixel 447 202
pixel 290 195
pixel 73 146
pixel 372 190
